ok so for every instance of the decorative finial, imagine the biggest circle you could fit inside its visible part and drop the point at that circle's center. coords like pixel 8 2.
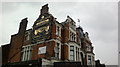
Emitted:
pixel 78 20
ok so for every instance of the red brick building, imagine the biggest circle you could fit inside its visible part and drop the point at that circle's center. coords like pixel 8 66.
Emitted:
pixel 50 40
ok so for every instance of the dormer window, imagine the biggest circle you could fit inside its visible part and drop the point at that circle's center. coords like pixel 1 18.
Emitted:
pixel 89 48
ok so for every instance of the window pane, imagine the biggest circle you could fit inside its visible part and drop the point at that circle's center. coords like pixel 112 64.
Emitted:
pixel 57 44
pixel 89 59
pixel 26 55
pixel 71 47
pixel 71 57
pixel 71 53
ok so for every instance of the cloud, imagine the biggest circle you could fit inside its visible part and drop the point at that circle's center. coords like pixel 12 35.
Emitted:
pixel 98 19
pixel 60 0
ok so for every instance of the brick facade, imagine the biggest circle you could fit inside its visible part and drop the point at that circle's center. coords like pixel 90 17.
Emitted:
pixel 5 53
pixel 57 37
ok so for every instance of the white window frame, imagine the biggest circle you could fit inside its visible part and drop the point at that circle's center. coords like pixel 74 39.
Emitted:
pixel 27 35
pixel 89 60
pixel 57 54
pixel 58 30
pixel 27 53
pixel 73 53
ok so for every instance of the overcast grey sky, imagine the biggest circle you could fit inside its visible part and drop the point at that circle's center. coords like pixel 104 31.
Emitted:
pixel 99 19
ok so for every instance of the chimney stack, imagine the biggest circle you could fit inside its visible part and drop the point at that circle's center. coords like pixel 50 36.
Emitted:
pixel 45 9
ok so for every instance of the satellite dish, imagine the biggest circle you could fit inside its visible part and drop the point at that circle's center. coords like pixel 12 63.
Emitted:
pixel 56 50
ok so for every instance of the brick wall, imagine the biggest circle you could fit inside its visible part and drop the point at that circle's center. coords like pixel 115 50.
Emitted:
pixel 53 31
pixel 65 34
pixel 5 53
pixel 49 50
pixel 16 43
pixel 64 52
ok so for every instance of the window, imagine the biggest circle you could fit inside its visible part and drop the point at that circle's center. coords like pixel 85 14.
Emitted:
pixel 27 35
pixel 58 31
pixel 71 47
pixel 92 59
pixel 72 36
pixel 57 50
pixel 88 48
pixel 89 59
pixel 72 25
pixel 69 35
pixel 26 53
pixel 77 54
pixel 72 53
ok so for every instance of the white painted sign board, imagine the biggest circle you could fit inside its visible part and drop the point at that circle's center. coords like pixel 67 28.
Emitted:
pixel 42 50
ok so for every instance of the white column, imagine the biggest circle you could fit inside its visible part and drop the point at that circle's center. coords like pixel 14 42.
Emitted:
pixel 30 48
pixel 30 53
pixel 28 56
pixel 59 50
pixel 74 53
pixel 23 56
pixel 25 53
